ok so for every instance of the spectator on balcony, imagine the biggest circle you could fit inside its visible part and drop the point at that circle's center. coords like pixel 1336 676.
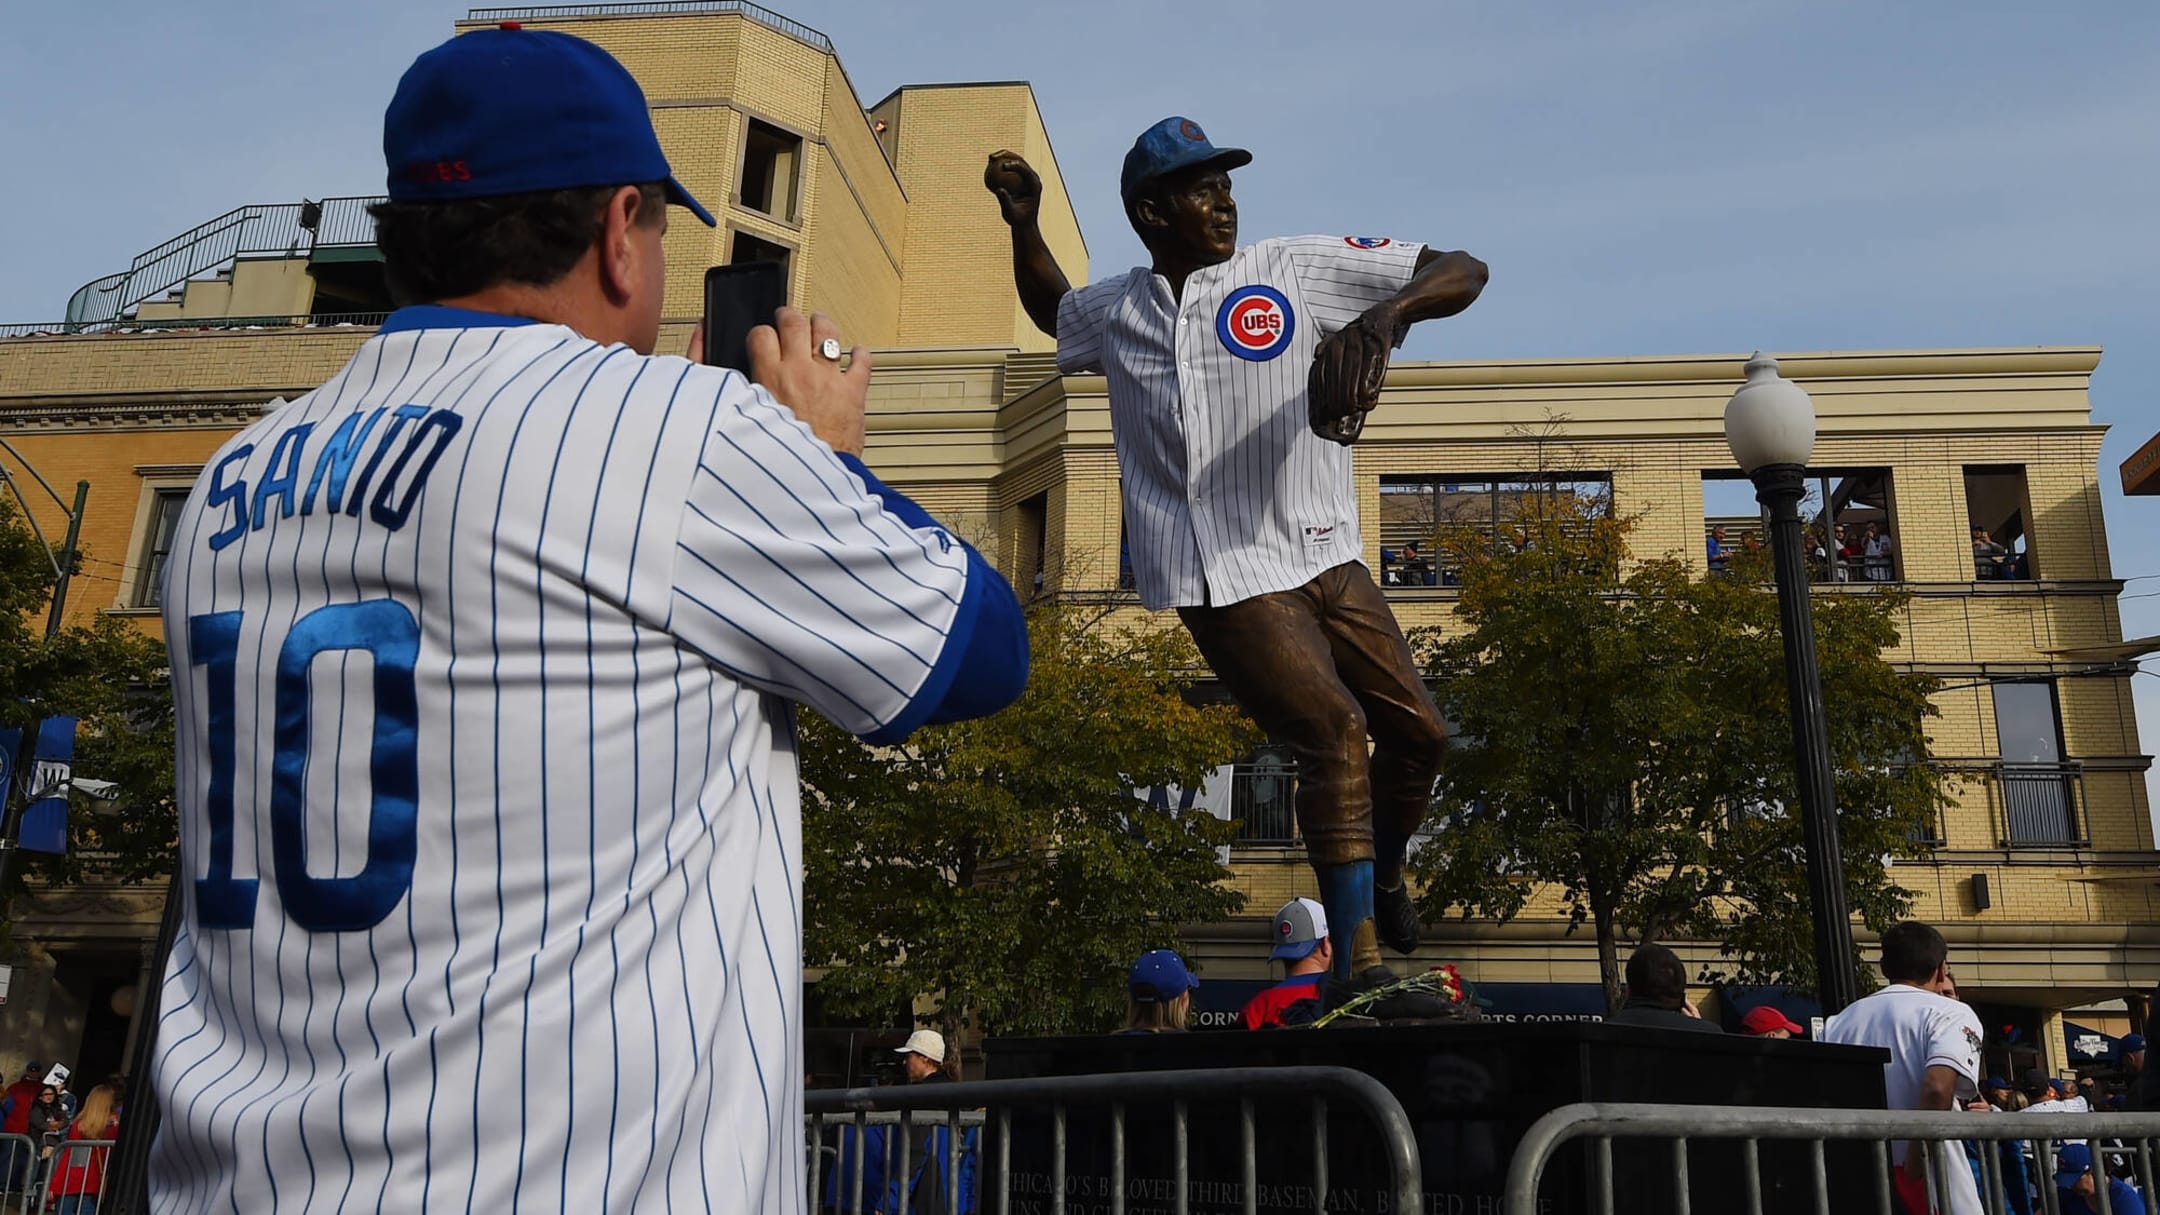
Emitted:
pixel 1715 548
pixel 1818 555
pixel 1878 552
pixel 1302 945
pixel 1417 571
pixel 1158 994
pixel 1657 993
pixel 1850 553
pixel 1989 558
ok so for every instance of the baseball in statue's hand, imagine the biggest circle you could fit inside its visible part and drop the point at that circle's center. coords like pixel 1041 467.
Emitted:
pixel 1018 188
pixel 1348 370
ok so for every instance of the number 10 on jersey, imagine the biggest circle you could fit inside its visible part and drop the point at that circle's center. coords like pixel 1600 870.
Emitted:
pixel 386 630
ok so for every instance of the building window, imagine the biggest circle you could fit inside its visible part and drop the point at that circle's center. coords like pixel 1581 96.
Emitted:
pixel 1033 544
pixel 1126 581
pixel 156 544
pixel 1997 509
pixel 1263 797
pixel 746 248
pixel 772 160
pixel 2039 788
pixel 1849 517
pixel 1429 522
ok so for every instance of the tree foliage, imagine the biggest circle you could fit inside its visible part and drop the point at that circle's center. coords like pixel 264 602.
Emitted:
pixel 1004 867
pixel 1625 740
pixel 113 678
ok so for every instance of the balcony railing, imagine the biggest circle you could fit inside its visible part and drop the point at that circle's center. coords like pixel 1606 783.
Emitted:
pixel 2040 804
pixel 191 324
pixel 1263 800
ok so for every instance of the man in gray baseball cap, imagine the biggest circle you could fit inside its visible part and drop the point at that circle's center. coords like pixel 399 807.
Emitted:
pixel 1301 943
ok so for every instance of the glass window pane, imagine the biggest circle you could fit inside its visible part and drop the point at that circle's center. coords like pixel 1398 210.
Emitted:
pixel 2025 725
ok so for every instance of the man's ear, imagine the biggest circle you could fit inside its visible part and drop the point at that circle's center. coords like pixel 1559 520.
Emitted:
pixel 620 272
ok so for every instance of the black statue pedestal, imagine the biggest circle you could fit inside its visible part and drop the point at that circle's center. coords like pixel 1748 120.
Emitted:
pixel 1470 1090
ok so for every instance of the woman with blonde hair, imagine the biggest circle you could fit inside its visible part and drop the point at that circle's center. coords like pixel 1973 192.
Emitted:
pixel 1158 994
pixel 79 1172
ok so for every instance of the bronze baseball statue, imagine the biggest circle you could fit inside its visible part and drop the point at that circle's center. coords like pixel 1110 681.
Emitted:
pixel 1238 378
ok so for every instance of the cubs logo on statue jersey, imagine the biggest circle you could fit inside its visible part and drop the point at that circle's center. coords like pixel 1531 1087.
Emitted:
pixel 1256 323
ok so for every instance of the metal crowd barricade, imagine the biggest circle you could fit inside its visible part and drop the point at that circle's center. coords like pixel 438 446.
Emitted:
pixel 21 1174
pixel 2127 1138
pixel 1250 1088
pixel 75 1169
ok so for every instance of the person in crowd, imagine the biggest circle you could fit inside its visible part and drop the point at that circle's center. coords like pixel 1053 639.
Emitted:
pixel 1934 1045
pixel 2000 1093
pixel 1763 1021
pixel 2077 1189
pixel 2130 1060
pixel 927 1061
pixel 1878 552
pixel 2072 1097
pixel 1158 994
pixel 1302 946
pixel 2039 1090
pixel 1657 993
pixel 923 1057
pixel 1988 556
pixel 15 1106
pixel 1717 550
pixel 78 1172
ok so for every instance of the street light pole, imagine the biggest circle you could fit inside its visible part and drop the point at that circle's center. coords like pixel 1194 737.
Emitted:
pixel 1770 424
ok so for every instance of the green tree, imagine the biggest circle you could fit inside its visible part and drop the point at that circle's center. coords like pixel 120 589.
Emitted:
pixel 1625 741
pixel 113 678
pixel 1005 867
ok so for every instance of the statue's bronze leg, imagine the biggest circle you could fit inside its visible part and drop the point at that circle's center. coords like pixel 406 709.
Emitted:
pixel 1275 657
pixel 1409 738
pixel 1317 668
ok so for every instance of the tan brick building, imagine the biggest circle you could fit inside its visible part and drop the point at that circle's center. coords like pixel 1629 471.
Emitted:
pixel 2045 876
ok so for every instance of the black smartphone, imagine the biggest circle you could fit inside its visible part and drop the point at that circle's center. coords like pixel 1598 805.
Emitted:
pixel 738 298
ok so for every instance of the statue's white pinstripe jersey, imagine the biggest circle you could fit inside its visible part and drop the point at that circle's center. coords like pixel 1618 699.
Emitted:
pixel 1228 493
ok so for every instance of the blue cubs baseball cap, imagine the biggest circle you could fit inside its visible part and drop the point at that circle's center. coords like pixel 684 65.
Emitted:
pixel 2132 1043
pixel 1159 977
pixel 1172 144
pixel 2072 1160
pixel 515 111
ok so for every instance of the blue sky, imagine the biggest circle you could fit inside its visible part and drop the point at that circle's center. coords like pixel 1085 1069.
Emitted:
pixel 1644 178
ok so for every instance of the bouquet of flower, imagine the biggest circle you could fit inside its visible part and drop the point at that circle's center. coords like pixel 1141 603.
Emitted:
pixel 1442 983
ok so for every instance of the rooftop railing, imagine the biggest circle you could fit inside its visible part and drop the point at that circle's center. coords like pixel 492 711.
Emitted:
pixel 658 8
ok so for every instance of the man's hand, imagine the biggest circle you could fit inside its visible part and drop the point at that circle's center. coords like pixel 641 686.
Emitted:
pixel 1017 186
pixel 1347 372
pixel 784 358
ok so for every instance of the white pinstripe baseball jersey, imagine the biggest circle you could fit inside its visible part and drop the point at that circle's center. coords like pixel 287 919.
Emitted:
pixel 1228 493
pixel 483 655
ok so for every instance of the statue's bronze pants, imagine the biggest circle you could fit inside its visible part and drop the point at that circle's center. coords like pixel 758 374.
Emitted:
pixel 1319 668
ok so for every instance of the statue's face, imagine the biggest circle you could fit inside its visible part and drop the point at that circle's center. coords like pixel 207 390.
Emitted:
pixel 1193 212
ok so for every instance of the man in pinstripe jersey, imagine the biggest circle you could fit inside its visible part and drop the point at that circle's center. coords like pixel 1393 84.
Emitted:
pixel 486 656
pixel 1239 512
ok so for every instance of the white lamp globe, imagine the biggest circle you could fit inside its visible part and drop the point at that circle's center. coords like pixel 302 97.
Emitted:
pixel 1771 420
